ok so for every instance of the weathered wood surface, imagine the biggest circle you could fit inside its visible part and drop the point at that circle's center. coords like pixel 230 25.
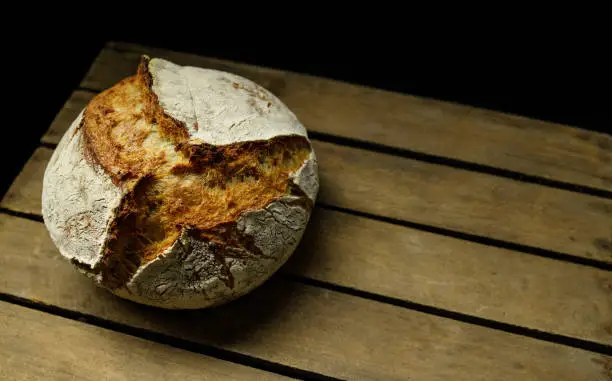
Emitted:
pixel 66 115
pixel 25 193
pixel 302 326
pixel 529 146
pixel 429 269
pixel 38 346
pixel 334 333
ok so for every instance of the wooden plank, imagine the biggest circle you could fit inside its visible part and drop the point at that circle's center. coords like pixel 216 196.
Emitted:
pixel 67 114
pixel 457 275
pixel 24 194
pixel 40 346
pixel 533 147
pixel 465 201
pixel 302 326
pixel 430 269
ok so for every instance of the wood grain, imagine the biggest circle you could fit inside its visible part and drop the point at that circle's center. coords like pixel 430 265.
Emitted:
pixel 429 269
pixel 529 146
pixel 24 194
pixel 73 106
pixel 465 201
pixel 40 346
pixel 302 326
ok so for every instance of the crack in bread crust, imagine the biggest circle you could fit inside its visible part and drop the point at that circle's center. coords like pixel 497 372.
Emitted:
pixel 173 185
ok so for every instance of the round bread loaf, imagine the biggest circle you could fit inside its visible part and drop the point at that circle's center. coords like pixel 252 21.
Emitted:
pixel 180 187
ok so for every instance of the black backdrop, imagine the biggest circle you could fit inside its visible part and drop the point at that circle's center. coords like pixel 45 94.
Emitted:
pixel 549 77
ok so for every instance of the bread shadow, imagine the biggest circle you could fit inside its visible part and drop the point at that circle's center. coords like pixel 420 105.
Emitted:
pixel 246 321
pixel 309 254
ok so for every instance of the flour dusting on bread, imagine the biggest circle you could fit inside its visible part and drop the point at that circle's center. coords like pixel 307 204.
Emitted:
pixel 181 187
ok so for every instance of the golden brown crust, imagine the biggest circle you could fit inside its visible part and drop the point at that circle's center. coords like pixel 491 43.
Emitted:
pixel 116 123
pixel 170 128
pixel 174 185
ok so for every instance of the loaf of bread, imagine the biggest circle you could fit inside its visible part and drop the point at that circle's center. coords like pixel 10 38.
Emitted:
pixel 180 187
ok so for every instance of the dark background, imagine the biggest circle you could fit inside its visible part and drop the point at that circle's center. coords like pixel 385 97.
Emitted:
pixel 549 76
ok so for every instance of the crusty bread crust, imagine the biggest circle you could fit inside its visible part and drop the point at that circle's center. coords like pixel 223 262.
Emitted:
pixel 185 223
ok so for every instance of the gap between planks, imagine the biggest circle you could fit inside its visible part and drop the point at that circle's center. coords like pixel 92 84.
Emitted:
pixel 488 283
pixel 406 153
pixel 57 128
pixel 459 164
pixel 61 346
pixel 493 142
pixel 502 210
pixel 301 326
pixel 237 363
pixel 292 272
pixel 468 237
pixel 56 133
pixel 80 98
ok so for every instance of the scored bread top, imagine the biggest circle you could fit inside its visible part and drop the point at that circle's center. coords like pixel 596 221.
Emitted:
pixel 220 109
pixel 176 163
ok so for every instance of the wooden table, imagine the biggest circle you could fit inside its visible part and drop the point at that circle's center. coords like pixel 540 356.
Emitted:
pixel 448 242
